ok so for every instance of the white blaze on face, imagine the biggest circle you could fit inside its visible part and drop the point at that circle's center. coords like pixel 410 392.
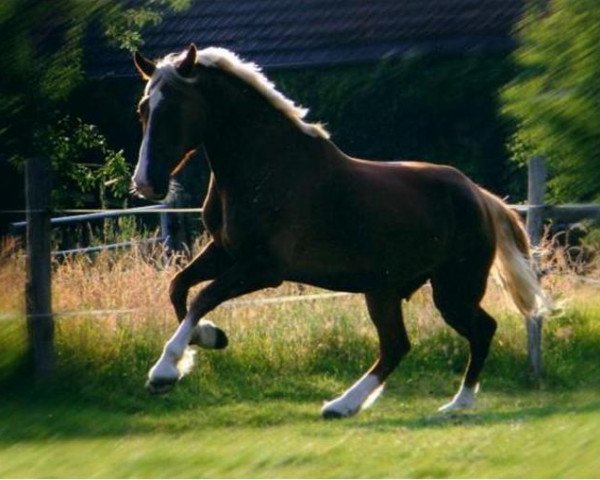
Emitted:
pixel 155 98
pixel 140 175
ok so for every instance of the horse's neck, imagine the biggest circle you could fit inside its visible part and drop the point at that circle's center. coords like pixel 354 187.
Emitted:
pixel 259 149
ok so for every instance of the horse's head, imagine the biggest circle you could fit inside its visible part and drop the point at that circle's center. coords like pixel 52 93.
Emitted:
pixel 171 114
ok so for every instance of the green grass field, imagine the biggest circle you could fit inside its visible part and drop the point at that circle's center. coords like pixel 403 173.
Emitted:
pixel 253 409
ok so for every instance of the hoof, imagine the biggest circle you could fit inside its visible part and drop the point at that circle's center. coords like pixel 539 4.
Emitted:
pixel 332 411
pixel 331 414
pixel 207 335
pixel 160 386
pixel 222 341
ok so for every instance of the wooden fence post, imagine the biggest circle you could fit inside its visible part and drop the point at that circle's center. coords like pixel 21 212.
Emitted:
pixel 38 297
pixel 536 187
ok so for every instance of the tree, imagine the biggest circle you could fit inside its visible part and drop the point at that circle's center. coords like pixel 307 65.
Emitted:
pixel 42 63
pixel 555 96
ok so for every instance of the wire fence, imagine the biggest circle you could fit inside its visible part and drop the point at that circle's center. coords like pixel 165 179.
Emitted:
pixel 75 215
pixel 39 252
pixel 172 236
pixel 258 302
pixel 169 234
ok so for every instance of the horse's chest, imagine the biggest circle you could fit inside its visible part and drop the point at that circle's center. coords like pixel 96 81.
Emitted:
pixel 244 228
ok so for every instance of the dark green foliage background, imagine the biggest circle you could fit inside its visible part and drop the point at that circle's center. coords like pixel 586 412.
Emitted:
pixel 555 97
pixel 438 109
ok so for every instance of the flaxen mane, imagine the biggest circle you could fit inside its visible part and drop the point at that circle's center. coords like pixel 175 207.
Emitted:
pixel 250 73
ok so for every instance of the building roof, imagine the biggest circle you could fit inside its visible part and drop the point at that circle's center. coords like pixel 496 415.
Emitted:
pixel 301 33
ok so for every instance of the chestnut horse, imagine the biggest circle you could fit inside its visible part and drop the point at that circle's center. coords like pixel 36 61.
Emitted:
pixel 285 204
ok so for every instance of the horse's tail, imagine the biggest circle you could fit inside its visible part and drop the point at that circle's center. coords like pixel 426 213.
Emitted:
pixel 513 262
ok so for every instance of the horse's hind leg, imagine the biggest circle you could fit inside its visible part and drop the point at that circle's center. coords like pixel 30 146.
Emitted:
pixel 386 313
pixel 458 299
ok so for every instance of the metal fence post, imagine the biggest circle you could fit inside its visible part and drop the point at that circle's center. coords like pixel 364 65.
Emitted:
pixel 172 231
pixel 537 174
pixel 38 296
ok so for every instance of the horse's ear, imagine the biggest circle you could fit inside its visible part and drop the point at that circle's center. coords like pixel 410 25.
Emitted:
pixel 143 65
pixel 185 67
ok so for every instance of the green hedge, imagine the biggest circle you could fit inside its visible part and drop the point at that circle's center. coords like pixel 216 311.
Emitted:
pixel 439 109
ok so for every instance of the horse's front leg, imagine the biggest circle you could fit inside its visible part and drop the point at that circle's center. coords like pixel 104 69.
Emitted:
pixel 211 262
pixel 238 280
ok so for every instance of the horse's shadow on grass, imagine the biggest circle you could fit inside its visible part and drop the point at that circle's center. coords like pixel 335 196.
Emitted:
pixel 73 409
pixel 48 415
pixel 89 404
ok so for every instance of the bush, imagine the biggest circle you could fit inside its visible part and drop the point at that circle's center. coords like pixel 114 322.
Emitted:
pixel 442 110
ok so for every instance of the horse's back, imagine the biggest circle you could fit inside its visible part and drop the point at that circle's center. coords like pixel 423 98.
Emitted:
pixel 438 197
pixel 376 222
pixel 452 200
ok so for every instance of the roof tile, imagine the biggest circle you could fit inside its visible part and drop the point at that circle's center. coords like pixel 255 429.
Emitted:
pixel 292 33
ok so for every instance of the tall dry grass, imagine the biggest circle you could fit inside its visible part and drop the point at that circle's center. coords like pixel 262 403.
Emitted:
pixel 132 286
pixel 136 280
pixel 280 340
